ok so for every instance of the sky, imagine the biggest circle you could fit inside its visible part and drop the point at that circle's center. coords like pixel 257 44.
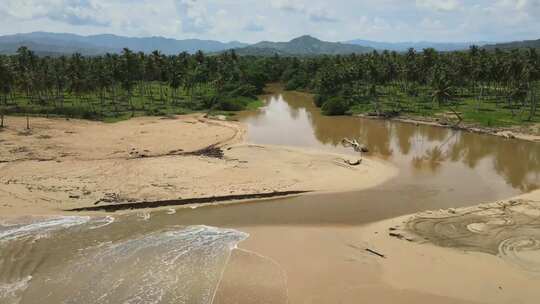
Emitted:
pixel 280 20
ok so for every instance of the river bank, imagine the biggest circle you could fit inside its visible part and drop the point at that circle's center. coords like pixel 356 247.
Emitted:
pixel 66 164
pixel 527 133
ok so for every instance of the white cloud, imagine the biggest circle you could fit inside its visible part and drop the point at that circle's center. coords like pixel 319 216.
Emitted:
pixel 440 5
pixel 289 5
pixel 255 20
pixel 194 16
pixel 315 11
pixel 73 12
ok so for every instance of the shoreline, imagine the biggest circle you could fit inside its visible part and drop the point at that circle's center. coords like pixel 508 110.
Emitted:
pixel 514 132
pixel 377 260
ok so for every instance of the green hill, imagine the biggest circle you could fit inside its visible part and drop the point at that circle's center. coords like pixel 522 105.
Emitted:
pixel 302 46
pixel 535 44
pixel 60 43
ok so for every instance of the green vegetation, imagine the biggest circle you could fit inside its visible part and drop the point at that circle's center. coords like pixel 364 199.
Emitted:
pixel 302 46
pixel 535 44
pixel 335 106
pixel 499 88
pixel 116 87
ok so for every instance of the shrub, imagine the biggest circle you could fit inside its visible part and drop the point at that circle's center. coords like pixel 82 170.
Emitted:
pixel 232 103
pixel 209 101
pixel 239 89
pixel 319 100
pixel 335 106
pixel 296 83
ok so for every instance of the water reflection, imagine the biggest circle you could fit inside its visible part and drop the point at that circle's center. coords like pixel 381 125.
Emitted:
pixel 447 157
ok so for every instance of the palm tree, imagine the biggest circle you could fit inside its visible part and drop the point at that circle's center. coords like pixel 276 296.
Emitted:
pixel 443 93
pixel 6 85
pixel 25 69
pixel 129 73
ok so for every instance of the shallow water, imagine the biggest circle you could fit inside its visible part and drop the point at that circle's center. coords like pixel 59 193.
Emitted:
pixel 178 257
pixel 99 260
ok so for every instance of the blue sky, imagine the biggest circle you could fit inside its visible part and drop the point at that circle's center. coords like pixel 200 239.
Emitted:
pixel 280 20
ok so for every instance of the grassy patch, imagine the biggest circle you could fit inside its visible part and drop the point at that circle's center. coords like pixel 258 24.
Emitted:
pixel 255 104
pixel 487 113
pixel 153 100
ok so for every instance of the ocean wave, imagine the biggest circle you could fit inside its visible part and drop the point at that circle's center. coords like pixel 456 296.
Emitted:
pixel 177 265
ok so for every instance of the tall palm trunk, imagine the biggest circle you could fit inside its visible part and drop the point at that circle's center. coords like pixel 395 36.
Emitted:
pixel 2 113
pixel 534 104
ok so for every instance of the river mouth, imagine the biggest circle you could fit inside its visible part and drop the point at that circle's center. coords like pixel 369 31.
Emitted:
pixel 176 256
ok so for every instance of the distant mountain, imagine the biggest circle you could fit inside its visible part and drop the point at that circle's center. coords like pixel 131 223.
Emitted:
pixel 302 46
pixel 405 46
pixel 535 44
pixel 51 48
pixel 53 43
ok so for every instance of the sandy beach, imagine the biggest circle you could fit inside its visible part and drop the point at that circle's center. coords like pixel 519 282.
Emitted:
pixel 63 164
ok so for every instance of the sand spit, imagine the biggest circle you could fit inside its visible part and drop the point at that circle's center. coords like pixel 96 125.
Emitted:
pixel 61 164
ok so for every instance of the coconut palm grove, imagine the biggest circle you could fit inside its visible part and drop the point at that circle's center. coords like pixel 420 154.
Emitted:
pixel 492 87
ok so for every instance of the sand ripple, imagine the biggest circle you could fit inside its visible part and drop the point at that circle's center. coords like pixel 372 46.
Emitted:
pixel 510 230
pixel 523 251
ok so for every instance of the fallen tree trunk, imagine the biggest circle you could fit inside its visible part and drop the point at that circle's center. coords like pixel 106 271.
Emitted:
pixel 355 144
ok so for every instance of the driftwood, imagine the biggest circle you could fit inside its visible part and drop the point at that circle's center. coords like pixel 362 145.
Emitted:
pixel 355 144
pixel 376 253
pixel 351 163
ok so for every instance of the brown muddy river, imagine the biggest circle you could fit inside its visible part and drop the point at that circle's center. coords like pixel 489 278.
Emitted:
pixel 439 168
pixel 177 257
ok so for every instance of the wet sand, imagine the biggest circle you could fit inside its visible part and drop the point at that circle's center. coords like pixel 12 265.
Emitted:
pixel 60 165
pixel 400 260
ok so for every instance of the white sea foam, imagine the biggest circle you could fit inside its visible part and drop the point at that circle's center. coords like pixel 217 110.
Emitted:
pixel 40 227
pixel 102 222
pixel 9 292
pixel 178 265
pixel 145 216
